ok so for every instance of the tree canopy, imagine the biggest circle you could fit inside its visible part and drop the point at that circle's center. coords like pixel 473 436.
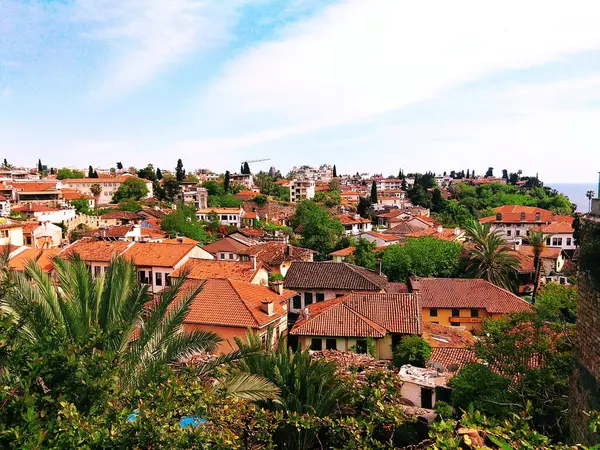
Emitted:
pixel 320 231
pixel 132 188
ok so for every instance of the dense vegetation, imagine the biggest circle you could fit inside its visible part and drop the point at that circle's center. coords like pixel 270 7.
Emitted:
pixel 184 222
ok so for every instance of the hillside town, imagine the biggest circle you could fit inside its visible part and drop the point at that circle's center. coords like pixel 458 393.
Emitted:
pixel 432 279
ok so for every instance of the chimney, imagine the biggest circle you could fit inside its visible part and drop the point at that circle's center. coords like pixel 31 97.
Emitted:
pixel 517 244
pixel 305 313
pixel 179 239
pixel 276 286
pixel 379 266
pixel 415 284
pixel 268 307
pixel 253 257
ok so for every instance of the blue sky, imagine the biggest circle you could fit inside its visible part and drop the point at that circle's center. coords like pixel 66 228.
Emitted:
pixel 368 85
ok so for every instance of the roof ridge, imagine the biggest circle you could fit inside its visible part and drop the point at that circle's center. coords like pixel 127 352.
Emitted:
pixel 368 321
pixel 243 300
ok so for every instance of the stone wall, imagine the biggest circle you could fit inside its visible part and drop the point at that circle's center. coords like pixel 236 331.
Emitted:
pixel 585 382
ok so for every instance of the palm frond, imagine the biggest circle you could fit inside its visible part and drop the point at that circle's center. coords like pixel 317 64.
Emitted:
pixel 248 387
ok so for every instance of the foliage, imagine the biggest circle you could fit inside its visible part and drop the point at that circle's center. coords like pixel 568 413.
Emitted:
pixel 226 181
pixel 17 215
pixel 320 231
pixel 363 207
pixel 132 188
pixel 423 257
pixel 329 199
pixel 130 205
pixel 374 192
pixel 113 304
pixel 364 254
pixel 179 171
pixel 213 188
pixel 557 302
pixel 489 257
pixel 65 173
pixel 183 221
pixel 537 242
pixel 224 201
pixel 589 255
pixel 96 189
pixel 260 200
pixel 170 188
pixel 81 205
pixel 148 173
pixel 413 350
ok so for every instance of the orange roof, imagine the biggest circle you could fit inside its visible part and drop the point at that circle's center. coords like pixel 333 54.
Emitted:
pixel 557 228
pixel 177 240
pixel 227 244
pixel 73 194
pixel 96 251
pixel 232 303
pixel 562 218
pixel 350 219
pixel 391 214
pixel 8 223
pixel 468 293
pixel 385 237
pixel 34 187
pixel 344 251
pixel 438 336
pixel 29 226
pixel 446 234
pixel 43 257
pixel 513 214
pixel 203 269
pixel 452 357
pixel 103 179
pixel 362 315
pixel 34 207
pixel 275 253
pixel 250 215
pixel 158 254
pixel 547 252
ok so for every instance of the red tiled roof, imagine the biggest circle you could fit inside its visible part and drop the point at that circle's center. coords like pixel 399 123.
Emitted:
pixel 103 179
pixel 512 214
pixel 468 293
pixel 275 253
pixel 34 187
pixel 250 215
pixel 385 237
pixel 181 239
pixel 446 234
pixel 227 244
pixel 547 252
pixel 332 275
pixel 203 269
pixel 390 214
pixel 557 228
pixel 455 358
pixel 344 251
pixel 158 254
pixel 362 315
pixel 232 303
pixel 563 218
pixel 34 207
pixel 29 226
pixel 42 256
pixel 350 219
pixel 121 215
pixel 97 251
pixel 438 335
pixel 8 223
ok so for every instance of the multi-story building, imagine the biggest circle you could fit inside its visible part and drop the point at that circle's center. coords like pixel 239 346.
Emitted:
pixel 11 232
pixel 109 185
pixel 321 173
pixel 302 190
pixel 227 216
pixel 245 179
pixel 194 194
pixel 4 206
pixel 354 224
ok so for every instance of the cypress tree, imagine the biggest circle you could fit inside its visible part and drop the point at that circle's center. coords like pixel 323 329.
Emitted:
pixel 39 165
pixel 158 174
pixel 179 172
pixel 334 172
pixel 374 192
pixel 247 168
pixel 226 181
pixel 242 169
pixel 90 172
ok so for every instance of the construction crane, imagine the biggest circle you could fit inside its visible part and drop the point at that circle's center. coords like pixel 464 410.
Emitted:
pixel 256 160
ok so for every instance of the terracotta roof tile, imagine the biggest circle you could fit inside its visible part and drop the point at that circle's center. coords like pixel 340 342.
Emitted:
pixel 468 293
pixel 158 254
pixel 385 237
pixel 438 335
pixel 121 215
pixel 203 269
pixel 232 303
pixel 513 214
pixel 43 257
pixel 34 187
pixel 362 315
pixel 275 253
pixel 332 275
pixel 452 358
pixel 350 219
pixel 34 207
pixel 227 244
pixel 97 251
pixel 344 251
pixel 558 227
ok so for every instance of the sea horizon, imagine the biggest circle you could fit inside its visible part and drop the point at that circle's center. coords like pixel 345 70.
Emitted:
pixel 576 193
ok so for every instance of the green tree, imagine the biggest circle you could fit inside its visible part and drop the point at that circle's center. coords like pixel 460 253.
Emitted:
pixel 363 207
pixel 179 171
pixel 590 196
pixel 116 305
pixel 132 188
pixel 423 257
pixel 184 222
pixel 119 166
pixel 537 242
pixel 170 188
pixel 226 181
pixel 90 172
pixel 147 173
pixel 490 172
pixel 374 192
pixel 364 254
pixel 413 350
pixel 130 205
pixel 489 257
pixel 438 202
pixel 159 175
pixel 81 205
pixel 213 188
pixel 557 302
pixel 576 230
pixel 246 168
pixel 334 172
pixel 96 190
pixel 418 196
pixel 65 173
pixel 40 167
pixel 224 201
pixel 320 231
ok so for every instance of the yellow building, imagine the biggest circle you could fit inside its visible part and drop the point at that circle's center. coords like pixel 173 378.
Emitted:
pixel 463 302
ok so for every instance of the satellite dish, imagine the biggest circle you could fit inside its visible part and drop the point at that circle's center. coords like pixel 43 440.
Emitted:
pixel 437 366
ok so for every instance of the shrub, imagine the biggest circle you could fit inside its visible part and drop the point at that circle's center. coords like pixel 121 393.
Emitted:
pixel 412 350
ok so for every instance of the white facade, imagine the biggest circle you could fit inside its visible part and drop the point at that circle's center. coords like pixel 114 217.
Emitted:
pixel 560 240
pixel 109 185
pixel 302 190
pixel 227 216
pixel 11 234
pixel 358 227
pixel 58 216
pixel 4 207
pixel 47 235
pixel 321 173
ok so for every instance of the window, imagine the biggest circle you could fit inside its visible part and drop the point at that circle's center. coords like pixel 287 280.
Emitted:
pixel 158 277
pixel 557 241
pixel 361 346
pixel 331 344
pixel 231 256
pixel 339 295
pixel 320 297
pixel 499 217
pixel 143 277
pixel 522 217
pixel 518 232
pixel 224 217
pixel 296 302
pixel 433 312
pixel 222 255
pixel 568 241
pixel 455 324
pixel 4 233
pixel 547 241
pixel 455 312
pixel 97 270
pixel 537 217
pixel 474 312
pixel 508 232
pixel 167 280
pixel 316 344
pixel 308 298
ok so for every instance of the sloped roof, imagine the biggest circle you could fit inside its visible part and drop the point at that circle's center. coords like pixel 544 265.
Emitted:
pixel 43 257
pixel 203 269
pixel 158 254
pixel 232 303
pixel 557 228
pixel 34 207
pixel 446 336
pixel 332 275
pixel 362 315
pixel 33 186
pixel 94 250
pixel 402 229
pixel 512 214
pixel 274 253
pixel 385 237
pixel 121 215
pixel 344 251
pixel 227 244
pixel 452 357
pixel 350 219
pixel 468 293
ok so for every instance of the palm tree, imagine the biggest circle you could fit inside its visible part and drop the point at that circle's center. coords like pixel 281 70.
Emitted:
pixel 143 333
pixel 489 256
pixel 536 240
pixel 590 194
pixel 96 190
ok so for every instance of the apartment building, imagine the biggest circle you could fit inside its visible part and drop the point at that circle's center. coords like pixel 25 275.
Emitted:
pixel 302 190
pixel 109 185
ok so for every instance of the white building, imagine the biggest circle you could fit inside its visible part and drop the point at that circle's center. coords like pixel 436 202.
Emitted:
pixel 227 216
pixel 423 387
pixel 109 186
pixel 243 179
pixel 302 190
pixel 4 206
pixel 11 232
pixel 321 173
pixel 194 194
pixel 354 224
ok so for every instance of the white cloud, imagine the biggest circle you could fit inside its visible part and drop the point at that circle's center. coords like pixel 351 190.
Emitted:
pixel 363 58
pixel 148 36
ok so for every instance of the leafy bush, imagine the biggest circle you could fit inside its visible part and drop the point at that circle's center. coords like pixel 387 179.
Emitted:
pixel 413 350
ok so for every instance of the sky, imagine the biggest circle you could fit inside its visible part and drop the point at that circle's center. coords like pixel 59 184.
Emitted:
pixel 367 85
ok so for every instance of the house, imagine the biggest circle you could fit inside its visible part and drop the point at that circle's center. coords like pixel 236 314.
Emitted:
pixel 229 308
pixel 552 263
pixel 390 201
pixel 439 232
pixel 250 219
pixel 227 216
pixel 406 227
pixel 464 302
pixel 11 232
pixel 423 387
pixel 42 234
pixel 35 191
pixel 43 257
pixel 277 257
pixel 383 219
pixel 354 224
pixel 246 179
pixel 43 213
pixel 514 221
pixel 319 281
pixel 205 269
pixel 192 193
pixel 301 190
pixel 4 206
pixel 109 186
pixel 380 239
pixel 156 261
pixel 128 233
pixel 342 255
pixel 230 247
pixel 96 254
pixel 69 195
pixel 560 234
pixel 347 322
pixel 119 217
pixel 451 347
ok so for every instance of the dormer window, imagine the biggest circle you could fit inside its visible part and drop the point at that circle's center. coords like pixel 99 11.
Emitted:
pixel 499 217
pixel 538 216
pixel 522 217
